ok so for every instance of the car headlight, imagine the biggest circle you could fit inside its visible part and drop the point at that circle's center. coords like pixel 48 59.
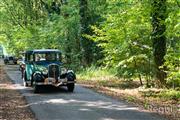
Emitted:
pixel 63 70
pixel 45 71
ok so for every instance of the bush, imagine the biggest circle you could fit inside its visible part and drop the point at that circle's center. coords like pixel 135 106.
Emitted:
pixel 173 68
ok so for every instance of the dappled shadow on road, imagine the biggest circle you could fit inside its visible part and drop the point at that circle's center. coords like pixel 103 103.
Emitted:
pixel 86 105
pixel 83 105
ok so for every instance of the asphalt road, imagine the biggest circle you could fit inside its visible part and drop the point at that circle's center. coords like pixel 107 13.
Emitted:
pixel 83 104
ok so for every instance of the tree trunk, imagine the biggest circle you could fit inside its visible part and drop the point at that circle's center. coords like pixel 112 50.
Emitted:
pixel 158 38
pixel 83 4
pixel 86 44
pixel 141 83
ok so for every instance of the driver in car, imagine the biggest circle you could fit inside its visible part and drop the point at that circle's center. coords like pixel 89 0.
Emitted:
pixel 48 57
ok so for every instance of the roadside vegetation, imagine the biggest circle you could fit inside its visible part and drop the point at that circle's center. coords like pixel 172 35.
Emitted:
pixel 100 77
pixel 161 100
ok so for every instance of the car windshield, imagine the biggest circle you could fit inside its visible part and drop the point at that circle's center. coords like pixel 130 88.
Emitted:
pixel 10 58
pixel 47 56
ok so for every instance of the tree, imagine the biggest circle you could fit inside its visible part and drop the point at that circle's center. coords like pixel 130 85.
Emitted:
pixel 90 52
pixel 159 38
pixel 83 5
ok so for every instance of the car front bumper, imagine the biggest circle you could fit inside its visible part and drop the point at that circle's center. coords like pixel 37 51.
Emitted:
pixel 53 82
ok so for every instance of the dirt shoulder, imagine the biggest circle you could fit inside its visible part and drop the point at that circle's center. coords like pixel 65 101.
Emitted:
pixel 139 97
pixel 13 105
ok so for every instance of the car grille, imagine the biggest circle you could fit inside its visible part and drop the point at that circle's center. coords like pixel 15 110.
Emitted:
pixel 53 71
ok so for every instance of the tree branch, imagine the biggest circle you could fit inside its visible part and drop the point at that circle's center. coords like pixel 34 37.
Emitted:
pixel 14 19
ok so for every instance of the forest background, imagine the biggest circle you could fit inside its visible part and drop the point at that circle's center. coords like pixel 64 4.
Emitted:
pixel 127 39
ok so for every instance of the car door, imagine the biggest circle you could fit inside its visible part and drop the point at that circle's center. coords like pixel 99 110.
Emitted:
pixel 29 66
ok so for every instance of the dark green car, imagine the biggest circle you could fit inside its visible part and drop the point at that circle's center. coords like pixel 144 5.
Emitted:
pixel 44 67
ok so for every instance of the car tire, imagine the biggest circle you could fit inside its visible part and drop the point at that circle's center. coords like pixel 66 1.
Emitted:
pixel 31 83
pixel 25 83
pixel 35 88
pixel 5 62
pixel 70 87
pixel 24 80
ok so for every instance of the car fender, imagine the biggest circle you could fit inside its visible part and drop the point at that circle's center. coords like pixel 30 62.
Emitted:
pixel 37 76
pixel 71 75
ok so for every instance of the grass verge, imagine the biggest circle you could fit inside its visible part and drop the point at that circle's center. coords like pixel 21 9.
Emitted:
pixel 162 101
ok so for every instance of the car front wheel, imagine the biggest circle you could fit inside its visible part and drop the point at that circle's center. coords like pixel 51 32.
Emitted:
pixel 25 83
pixel 70 87
pixel 35 87
pixel 24 79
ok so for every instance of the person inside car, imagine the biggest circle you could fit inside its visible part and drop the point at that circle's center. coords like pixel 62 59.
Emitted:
pixel 48 57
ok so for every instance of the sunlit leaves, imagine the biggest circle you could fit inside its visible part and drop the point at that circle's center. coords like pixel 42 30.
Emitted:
pixel 125 24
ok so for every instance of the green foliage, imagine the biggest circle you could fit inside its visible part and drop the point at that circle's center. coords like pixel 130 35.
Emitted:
pixel 163 94
pixel 40 24
pixel 37 26
pixel 96 74
pixel 104 78
pixel 173 67
pixel 170 94
pixel 124 37
pixel 172 58
pixel 121 30
pixel 158 37
pixel 132 64
pixel 126 40
pixel 130 99
pixel 89 12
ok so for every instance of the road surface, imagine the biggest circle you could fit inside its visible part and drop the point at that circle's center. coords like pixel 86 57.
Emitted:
pixel 83 104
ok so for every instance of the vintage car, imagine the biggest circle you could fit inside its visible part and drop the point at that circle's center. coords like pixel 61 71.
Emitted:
pixel 44 67
pixel 10 60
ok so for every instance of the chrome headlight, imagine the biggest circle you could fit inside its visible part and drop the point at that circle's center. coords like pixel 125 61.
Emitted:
pixel 45 71
pixel 63 70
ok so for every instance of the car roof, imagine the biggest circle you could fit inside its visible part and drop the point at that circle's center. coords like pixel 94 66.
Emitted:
pixel 43 51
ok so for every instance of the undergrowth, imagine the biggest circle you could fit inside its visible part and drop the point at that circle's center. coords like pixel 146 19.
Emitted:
pixel 107 78
pixel 97 74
